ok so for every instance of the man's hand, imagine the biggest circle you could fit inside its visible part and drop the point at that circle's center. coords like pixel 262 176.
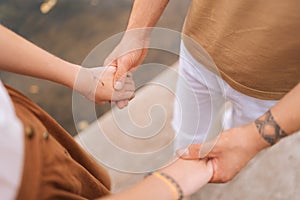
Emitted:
pixel 233 149
pixel 96 84
pixel 132 49
pixel 128 55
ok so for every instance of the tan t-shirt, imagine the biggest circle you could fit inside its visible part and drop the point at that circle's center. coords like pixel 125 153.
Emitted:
pixel 254 43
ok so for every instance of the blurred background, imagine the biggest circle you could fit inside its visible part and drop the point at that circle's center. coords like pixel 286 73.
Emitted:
pixel 70 29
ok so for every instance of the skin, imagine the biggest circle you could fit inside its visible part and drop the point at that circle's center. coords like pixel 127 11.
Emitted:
pixel 34 61
pixel 237 146
pixel 96 84
pixel 233 148
pixel 128 55
pixel 191 176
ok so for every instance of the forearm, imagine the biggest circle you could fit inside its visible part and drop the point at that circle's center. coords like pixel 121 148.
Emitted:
pixel 20 56
pixel 146 13
pixel 179 179
pixel 287 111
pixel 148 189
pixel 282 119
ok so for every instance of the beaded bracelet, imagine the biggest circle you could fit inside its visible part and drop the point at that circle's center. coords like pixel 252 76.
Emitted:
pixel 172 184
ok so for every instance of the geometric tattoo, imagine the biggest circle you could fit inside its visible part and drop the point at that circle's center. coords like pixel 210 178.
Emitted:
pixel 269 129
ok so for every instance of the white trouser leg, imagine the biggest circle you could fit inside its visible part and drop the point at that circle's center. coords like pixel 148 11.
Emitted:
pixel 200 103
pixel 246 109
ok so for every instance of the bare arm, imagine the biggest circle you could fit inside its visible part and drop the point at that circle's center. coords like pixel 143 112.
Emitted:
pixel 20 56
pixel 23 57
pixel 132 49
pixel 281 120
pixel 190 176
pixel 146 13
pixel 235 147
pixel 148 189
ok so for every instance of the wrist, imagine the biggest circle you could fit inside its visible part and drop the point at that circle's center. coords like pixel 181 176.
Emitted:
pixel 251 141
pixel 258 142
pixel 268 128
pixel 139 35
pixel 82 80
pixel 72 75
pixel 168 186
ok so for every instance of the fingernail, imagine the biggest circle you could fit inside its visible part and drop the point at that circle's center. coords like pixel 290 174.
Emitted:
pixel 183 152
pixel 118 85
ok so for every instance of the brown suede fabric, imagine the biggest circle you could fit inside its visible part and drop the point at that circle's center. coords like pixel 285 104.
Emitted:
pixel 255 44
pixel 55 166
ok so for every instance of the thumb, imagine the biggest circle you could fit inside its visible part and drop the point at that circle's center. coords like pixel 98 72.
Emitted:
pixel 120 77
pixel 124 64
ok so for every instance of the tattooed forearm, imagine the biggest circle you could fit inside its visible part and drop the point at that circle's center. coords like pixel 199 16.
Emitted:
pixel 269 129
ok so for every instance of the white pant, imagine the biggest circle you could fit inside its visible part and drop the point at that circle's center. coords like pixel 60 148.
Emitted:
pixel 205 104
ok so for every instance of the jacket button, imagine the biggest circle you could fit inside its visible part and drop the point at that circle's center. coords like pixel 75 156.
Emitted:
pixel 46 135
pixel 29 131
pixel 66 152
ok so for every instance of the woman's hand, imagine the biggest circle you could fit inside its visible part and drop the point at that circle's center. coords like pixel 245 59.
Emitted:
pixel 96 84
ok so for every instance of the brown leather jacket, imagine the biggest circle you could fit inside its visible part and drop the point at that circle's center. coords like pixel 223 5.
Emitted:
pixel 55 166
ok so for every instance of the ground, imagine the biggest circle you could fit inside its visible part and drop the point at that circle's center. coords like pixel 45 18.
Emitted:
pixel 71 30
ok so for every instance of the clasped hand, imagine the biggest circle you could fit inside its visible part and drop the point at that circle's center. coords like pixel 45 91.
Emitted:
pixel 229 152
pixel 96 84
